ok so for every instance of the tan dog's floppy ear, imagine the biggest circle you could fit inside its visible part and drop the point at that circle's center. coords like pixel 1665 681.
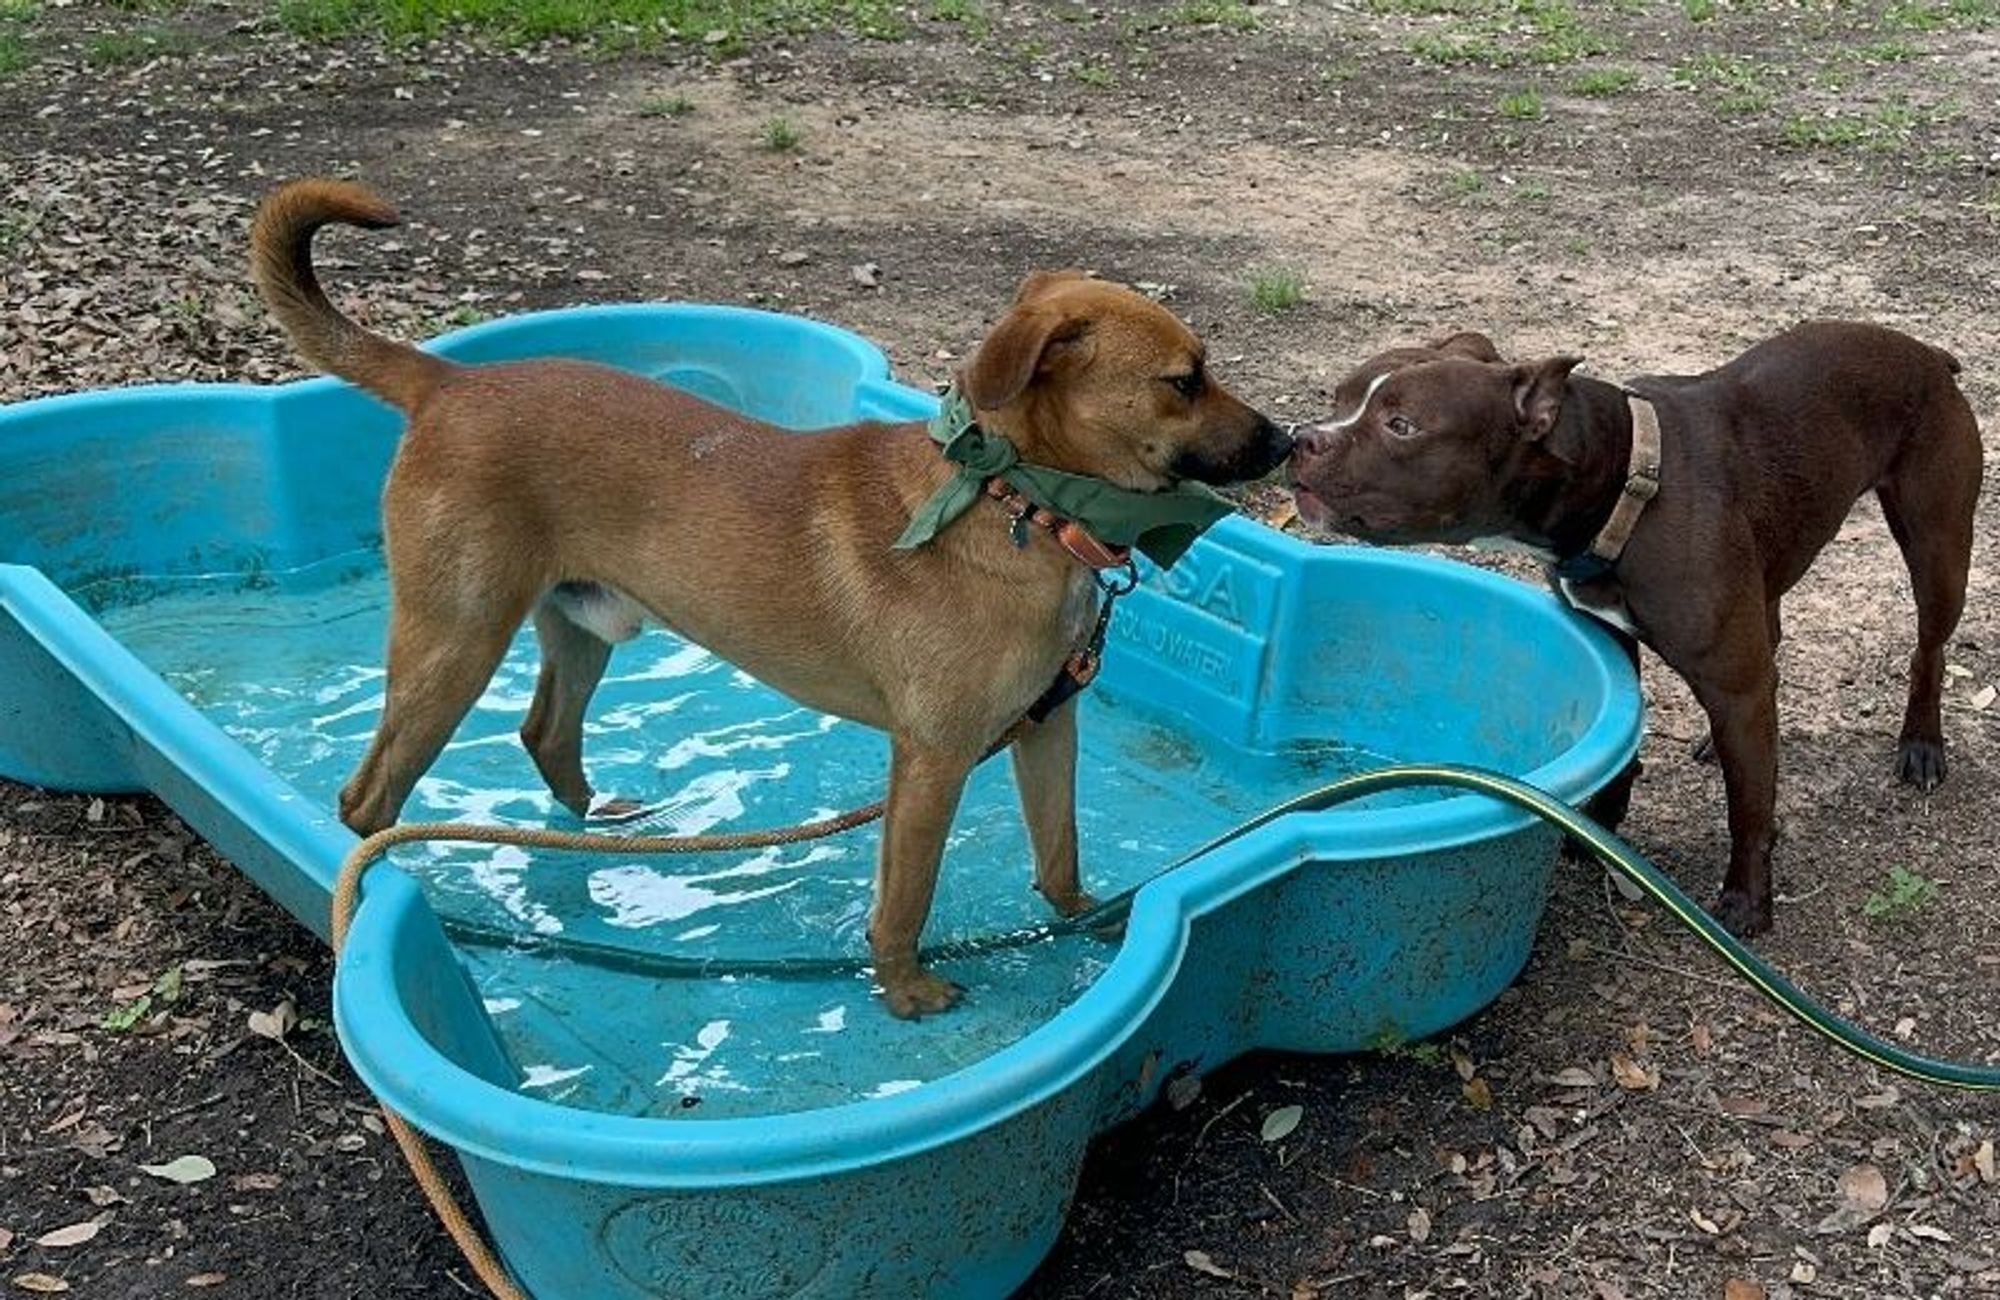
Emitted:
pixel 1019 346
pixel 1538 393
pixel 1037 283
pixel 1467 343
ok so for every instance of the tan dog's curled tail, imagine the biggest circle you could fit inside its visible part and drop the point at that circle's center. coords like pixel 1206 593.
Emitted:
pixel 281 266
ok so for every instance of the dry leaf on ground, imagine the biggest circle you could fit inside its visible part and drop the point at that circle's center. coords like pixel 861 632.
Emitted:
pixel 1632 1076
pixel 186 1169
pixel 1864 1193
pixel 1278 1125
pixel 275 1023
pixel 76 1234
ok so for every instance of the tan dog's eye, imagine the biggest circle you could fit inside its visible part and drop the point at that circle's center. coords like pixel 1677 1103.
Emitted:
pixel 1188 385
pixel 1403 427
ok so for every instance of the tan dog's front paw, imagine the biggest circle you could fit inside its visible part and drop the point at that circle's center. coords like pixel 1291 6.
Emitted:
pixel 914 992
pixel 603 809
pixel 1072 905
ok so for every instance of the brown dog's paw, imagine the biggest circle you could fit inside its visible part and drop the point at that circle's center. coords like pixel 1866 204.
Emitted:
pixel 1740 915
pixel 917 993
pixel 1921 763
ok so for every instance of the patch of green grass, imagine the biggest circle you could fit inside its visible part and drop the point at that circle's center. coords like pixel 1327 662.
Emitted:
pixel 15 56
pixel 1428 1055
pixel 118 49
pixel 1277 288
pixel 1522 106
pixel 1097 74
pixel 1881 52
pixel 1938 15
pixel 1561 35
pixel 1735 86
pixel 1465 184
pixel 15 227
pixel 1491 32
pixel 1532 192
pixel 461 316
pixel 1229 15
pixel 1698 11
pixel 1601 83
pixel 1390 1041
pixel 1745 104
pixel 721 25
pixel 1448 50
pixel 666 106
pixel 781 135
pixel 325 20
pixel 952 11
pixel 126 1016
pixel 1886 130
pixel 1907 894
pixel 1824 132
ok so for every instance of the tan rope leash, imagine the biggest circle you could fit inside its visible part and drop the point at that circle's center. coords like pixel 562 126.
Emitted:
pixel 346 895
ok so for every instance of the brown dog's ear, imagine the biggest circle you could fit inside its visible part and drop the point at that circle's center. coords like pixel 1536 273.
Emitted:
pixel 1538 393
pixel 1023 344
pixel 1468 343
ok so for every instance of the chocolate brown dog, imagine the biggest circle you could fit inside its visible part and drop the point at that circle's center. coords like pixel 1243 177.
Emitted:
pixel 585 497
pixel 1680 509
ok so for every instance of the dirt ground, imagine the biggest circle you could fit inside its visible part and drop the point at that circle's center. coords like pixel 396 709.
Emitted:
pixel 1653 185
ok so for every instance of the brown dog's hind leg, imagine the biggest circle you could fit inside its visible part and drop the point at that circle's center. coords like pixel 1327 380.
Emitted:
pixel 1928 498
pixel 924 789
pixel 1045 775
pixel 437 669
pixel 573 661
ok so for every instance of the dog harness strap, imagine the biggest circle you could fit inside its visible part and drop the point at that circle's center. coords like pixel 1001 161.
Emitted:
pixel 1642 484
pixel 1071 535
pixel 1080 669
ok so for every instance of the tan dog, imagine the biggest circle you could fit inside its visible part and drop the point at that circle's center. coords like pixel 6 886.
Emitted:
pixel 584 497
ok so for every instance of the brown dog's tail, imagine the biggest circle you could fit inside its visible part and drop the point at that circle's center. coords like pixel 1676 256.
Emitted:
pixel 281 266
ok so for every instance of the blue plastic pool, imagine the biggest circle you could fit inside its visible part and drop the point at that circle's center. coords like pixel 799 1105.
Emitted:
pixel 192 603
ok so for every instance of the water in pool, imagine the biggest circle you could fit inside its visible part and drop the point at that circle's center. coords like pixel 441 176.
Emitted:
pixel 292 670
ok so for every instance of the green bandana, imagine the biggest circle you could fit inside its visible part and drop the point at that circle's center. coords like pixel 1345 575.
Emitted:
pixel 1160 524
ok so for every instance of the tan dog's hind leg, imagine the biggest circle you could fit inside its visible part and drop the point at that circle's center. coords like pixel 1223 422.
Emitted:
pixel 573 661
pixel 437 669
pixel 1045 774
pixel 924 789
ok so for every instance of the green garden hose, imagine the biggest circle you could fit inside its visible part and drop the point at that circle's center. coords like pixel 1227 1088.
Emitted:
pixel 1601 844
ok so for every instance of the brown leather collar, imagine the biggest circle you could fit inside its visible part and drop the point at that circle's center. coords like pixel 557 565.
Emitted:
pixel 1642 484
pixel 1071 535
